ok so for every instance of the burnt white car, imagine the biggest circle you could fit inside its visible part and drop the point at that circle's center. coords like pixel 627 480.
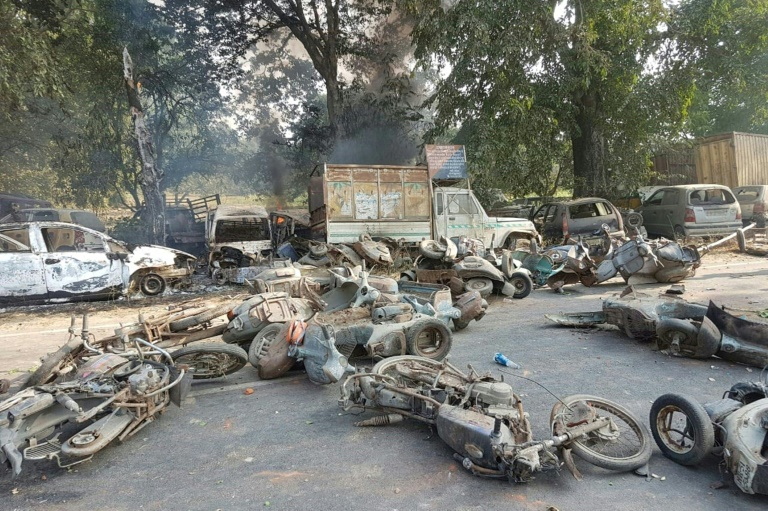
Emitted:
pixel 49 262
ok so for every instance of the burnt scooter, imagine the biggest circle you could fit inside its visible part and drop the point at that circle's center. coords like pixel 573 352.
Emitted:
pixel 734 427
pixel 110 396
pixel 637 260
pixel 482 419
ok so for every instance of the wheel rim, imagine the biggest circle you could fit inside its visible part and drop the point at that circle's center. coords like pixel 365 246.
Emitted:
pixel 621 440
pixel 152 284
pixel 208 364
pixel 678 342
pixel 674 429
pixel 519 284
pixel 429 341
pixel 477 284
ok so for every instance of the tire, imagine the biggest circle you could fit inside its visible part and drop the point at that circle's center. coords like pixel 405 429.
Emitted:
pixel 428 338
pixel 608 454
pixel 634 220
pixel 53 362
pixel 152 284
pixel 742 240
pixel 696 427
pixel 211 360
pixel 432 249
pixel 507 264
pixel 199 319
pixel 481 285
pixel 687 336
pixel 523 284
pixel 262 342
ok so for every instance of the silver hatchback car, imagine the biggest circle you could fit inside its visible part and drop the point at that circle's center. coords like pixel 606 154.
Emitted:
pixel 691 210
pixel 753 201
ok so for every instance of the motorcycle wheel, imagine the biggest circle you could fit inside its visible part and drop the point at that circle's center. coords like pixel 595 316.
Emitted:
pixel 53 363
pixel 387 366
pixel 261 343
pixel 428 338
pixel 630 450
pixel 211 360
pixel 523 284
pixel 198 319
pixel 681 428
pixel 686 334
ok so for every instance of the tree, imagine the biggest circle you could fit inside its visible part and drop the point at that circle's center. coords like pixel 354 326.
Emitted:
pixel 545 74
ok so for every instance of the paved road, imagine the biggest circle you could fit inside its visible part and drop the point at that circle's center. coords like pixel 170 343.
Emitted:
pixel 288 445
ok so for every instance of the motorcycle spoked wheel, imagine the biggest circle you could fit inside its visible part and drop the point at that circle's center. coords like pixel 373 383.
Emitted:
pixel 54 362
pixel 211 360
pixel 388 367
pixel 624 449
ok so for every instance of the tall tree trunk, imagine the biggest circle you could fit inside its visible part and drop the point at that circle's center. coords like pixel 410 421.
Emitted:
pixel 589 173
pixel 151 176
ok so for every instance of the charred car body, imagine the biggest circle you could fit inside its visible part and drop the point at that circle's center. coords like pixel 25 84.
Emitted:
pixel 43 262
pixel 237 236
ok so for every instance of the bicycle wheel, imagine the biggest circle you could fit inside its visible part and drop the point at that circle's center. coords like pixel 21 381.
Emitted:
pixel 623 445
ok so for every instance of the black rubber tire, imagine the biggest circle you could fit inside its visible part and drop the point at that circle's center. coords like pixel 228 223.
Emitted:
pixel 507 264
pixel 152 284
pixel 199 319
pixel 636 458
pixel 262 341
pixel 523 284
pixel 440 339
pixel 634 220
pixel 668 329
pixel 698 428
pixel 432 249
pixel 227 358
pixel 52 363
pixel 460 325
pixel 742 240
pixel 481 285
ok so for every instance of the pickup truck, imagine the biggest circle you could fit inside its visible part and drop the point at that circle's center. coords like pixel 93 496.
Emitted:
pixel 49 262
pixel 346 201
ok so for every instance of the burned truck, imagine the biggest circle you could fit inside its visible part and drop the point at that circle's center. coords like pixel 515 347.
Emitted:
pixel 237 236
pixel 403 203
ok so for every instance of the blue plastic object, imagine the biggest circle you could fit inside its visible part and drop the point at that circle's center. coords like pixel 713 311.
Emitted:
pixel 499 358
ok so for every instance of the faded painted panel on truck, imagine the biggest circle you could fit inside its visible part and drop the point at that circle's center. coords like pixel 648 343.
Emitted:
pixel 417 204
pixel 391 200
pixel 347 232
pixel 339 200
pixel 366 201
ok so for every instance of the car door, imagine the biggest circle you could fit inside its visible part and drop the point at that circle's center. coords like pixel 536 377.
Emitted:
pixel 651 211
pixel 463 216
pixel 21 269
pixel 77 265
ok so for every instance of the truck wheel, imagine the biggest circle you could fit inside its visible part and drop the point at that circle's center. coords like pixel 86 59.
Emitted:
pixel 523 284
pixel 428 338
pixel 682 429
pixel 481 285
pixel 152 284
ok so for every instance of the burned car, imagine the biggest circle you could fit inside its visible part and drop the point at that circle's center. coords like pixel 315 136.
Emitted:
pixel 237 236
pixel 48 262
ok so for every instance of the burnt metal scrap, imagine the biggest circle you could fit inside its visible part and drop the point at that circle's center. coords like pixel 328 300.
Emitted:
pixel 483 420
pixel 49 262
pixel 679 327
pixel 735 427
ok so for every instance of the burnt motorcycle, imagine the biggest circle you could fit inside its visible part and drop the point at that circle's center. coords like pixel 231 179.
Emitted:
pixel 110 396
pixel 483 421
pixel 734 427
